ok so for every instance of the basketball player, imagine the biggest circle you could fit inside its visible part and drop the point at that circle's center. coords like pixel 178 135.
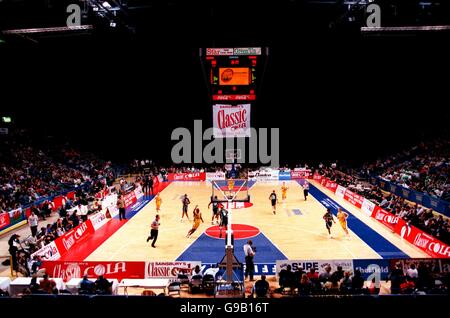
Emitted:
pixel 342 218
pixel 273 200
pixel 197 219
pixel 215 209
pixel 158 202
pixel 223 220
pixel 230 188
pixel 305 189
pixel 283 191
pixel 186 203
pixel 329 219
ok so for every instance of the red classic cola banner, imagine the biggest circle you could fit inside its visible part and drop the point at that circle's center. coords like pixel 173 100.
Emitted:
pixel 383 216
pixel 187 176
pixel 231 121
pixel 112 269
pixel 74 237
pixel 169 269
pixel 330 185
pixel 4 220
pixel 422 240
pixel 353 198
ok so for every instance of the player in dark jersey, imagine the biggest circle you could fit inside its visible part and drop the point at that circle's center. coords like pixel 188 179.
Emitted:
pixel 215 209
pixel 185 200
pixel 329 219
pixel 273 200
pixel 223 220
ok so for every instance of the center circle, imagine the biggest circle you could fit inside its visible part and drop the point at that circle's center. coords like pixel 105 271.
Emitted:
pixel 240 231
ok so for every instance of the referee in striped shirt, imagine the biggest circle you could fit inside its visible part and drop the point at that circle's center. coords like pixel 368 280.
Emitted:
pixel 154 230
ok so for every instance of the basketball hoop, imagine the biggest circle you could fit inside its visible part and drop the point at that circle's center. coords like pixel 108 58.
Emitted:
pixel 233 154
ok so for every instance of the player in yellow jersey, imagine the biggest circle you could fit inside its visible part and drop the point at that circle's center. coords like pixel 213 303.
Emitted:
pixel 158 202
pixel 283 191
pixel 342 218
pixel 197 219
pixel 230 188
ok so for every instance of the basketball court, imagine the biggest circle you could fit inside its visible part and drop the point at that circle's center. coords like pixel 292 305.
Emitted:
pixel 297 231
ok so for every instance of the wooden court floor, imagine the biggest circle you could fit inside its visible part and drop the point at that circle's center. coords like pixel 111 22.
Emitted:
pixel 299 235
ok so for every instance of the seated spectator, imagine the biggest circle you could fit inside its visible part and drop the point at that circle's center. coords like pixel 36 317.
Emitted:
pixel 35 288
pixel 305 286
pixel 346 283
pixel 286 278
pixel 372 288
pixel 337 275
pixel 407 287
pixel 48 285
pixel 261 288
pixel 357 282
pixel 412 272
pixel 396 277
pixel 326 275
pixel 103 286
pixel 86 286
pixel 197 271
pixel 298 276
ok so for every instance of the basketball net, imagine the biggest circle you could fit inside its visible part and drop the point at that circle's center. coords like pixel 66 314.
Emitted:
pixel 230 198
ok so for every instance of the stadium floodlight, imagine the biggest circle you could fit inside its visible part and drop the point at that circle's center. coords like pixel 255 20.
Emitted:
pixel 106 5
pixel 6 119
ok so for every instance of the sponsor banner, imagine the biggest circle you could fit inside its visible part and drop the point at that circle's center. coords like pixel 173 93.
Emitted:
pixel 234 51
pixel 385 217
pixel 319 265
pixel 340 191
pixel 138 192
pixel 425 242
pixel 48 252
pixel 370 268
pixel 368 207
pixel 130 198
pixel 331 185
pixel 187 176
pixel 112 212
pixel 300 174
pixel 284 175
pixel 231 121
pixel 264 269
pixel 318 178
pixel 168 269
pixel 264 175
pixel 353 198
pixel 4 220
pixel 109 201
pixel 74 237
pixel 235 97
pixel 219 51
pixel 118 270
pixel 99 219
pixel 215 176
pixel 109 206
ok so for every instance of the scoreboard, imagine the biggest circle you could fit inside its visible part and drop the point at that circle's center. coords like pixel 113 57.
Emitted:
pixel 233 73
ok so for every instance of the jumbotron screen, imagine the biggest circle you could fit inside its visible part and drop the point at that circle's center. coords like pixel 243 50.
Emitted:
pixel 234 76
